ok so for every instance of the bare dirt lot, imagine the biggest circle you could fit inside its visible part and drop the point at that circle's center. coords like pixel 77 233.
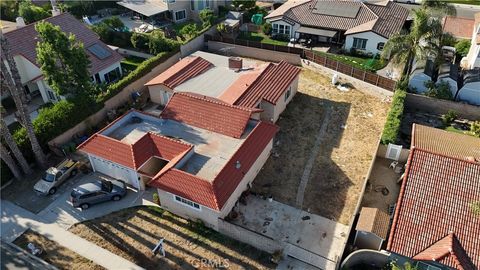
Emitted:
pixel 53 253
pixel 354 123
pixel 132 233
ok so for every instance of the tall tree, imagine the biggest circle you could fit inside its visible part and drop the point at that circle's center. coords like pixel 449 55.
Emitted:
pixel 7 158
pixel 7 136
pixel 12 80
pixel 439 7
pixel 30 12
pixel 64 63
pixel 420 43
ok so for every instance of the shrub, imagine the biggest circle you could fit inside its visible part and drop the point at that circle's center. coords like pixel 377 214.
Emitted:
pixel 462 47
pixel 267 28
pixel 440 90
pixel 189 30
pixel 114 23
pixel 475 128
pixel 32 13
pixel 394 117
pixel 207 17
pixel 157 43
pixel 449 117
pixel 139 41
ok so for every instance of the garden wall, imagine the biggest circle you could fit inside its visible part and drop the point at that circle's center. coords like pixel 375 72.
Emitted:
pixel 440 106
pixel 250 52
pixel 247 236
pixel 197 43
pixel 112 103
pixel 127 52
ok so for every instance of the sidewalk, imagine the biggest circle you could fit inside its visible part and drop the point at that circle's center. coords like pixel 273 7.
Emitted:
pixel 16 220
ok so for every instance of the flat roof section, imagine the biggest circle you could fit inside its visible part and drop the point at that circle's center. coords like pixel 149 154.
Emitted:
pixel 211 150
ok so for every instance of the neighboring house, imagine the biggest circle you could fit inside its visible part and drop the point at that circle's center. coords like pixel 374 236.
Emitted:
pixel 104 67
pixel 269 87
pixel 460 28
pixel 470 91
pixel 434 217
pixel 199 153
pixel 472 60
pixel 173 10
pixel 448 73
pixel 422 72
pixel 371 229
pixel 359 25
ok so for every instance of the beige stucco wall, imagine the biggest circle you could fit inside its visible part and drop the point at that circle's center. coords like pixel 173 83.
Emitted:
pixel 27 69
pixel 156 93
pixel 209 216
pixel 282 103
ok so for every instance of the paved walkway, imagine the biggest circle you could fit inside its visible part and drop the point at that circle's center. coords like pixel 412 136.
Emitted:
pixel 16 220
pixel 313 155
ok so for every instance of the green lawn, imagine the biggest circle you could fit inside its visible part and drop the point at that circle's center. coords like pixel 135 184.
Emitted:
pixel 365 63
pixel 131 62
pixel 466 2
pixel 261 37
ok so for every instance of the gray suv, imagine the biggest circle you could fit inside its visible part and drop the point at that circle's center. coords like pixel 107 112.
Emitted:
pixel 88 194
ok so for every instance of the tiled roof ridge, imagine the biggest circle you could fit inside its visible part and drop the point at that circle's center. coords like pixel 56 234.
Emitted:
pixel 167 138
pixel 210 100
pixel 187 69
pixel 33 23
pixel 256 81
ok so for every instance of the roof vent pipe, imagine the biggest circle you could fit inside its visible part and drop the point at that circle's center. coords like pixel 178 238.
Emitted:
pixel 238 165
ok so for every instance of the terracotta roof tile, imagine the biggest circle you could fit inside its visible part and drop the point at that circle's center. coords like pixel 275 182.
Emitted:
pixel 373 220
pixel 185 69
pixel 208 114
pixel 435 200
pixel 271 84
pixel 445 142
pixel 240 86
pixel 458 27
pixel 215 194
pixel 23 41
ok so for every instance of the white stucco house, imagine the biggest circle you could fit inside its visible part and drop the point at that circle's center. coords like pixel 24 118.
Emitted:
pixel 359 25
pixel 267 88
pixel 105 63
pixel 472 60
pixel 200 154
pixel 470 91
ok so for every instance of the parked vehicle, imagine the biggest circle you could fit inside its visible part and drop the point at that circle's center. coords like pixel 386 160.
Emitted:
pixel 88 194
pixel 55 176
pixel 408 1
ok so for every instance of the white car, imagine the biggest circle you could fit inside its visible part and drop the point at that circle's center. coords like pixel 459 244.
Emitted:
pixel 408 1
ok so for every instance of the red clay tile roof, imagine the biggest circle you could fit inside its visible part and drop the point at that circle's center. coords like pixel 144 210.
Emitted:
pixel 240 86
pixel 23 41
pixel 435 200
pixel 134 155
pixel 386 18
pixel 458 27
pixel 208 114
pixel 440 141
pixel 270 85
pixel 447 251
pixel 184 70
pixel 216 193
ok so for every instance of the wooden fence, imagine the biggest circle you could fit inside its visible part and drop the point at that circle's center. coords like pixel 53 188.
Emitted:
pixel 346 69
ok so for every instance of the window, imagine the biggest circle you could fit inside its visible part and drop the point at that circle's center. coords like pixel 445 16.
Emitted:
pixel 113 75
pixel 187 202
pixel 275 28
pixel 288 93
pixel 192 4
pixel 201 4
pixel 359 43
pixel 180 15
pixel 97 78
pixel 207 3
pixel 380 46
pixel 51 95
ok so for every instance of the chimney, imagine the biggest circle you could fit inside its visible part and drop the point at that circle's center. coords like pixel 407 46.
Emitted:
pixel 235 63
pixel 20 22
pixel 55 9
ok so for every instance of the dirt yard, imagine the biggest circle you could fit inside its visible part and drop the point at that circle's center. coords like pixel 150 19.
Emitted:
pixel 354 123
pixel 132 233
pixel 53 253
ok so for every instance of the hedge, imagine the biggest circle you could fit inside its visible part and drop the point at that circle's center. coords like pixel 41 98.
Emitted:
pixel 394 117
pixel 143 69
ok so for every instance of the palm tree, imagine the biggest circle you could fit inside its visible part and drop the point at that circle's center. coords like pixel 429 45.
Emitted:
pixel 14 85
pixel 438 7
pixel 5 155
pixel 420 43
pixel 7 136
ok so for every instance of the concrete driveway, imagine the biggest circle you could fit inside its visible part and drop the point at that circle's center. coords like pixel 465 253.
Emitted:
pixel 64 214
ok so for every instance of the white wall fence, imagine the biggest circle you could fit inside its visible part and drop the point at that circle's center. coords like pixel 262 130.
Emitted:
pixel 440 106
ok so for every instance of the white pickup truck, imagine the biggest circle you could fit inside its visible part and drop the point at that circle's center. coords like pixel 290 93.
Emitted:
pixel 55 176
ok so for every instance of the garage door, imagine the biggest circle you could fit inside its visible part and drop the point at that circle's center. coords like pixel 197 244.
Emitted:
pixel 114 170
